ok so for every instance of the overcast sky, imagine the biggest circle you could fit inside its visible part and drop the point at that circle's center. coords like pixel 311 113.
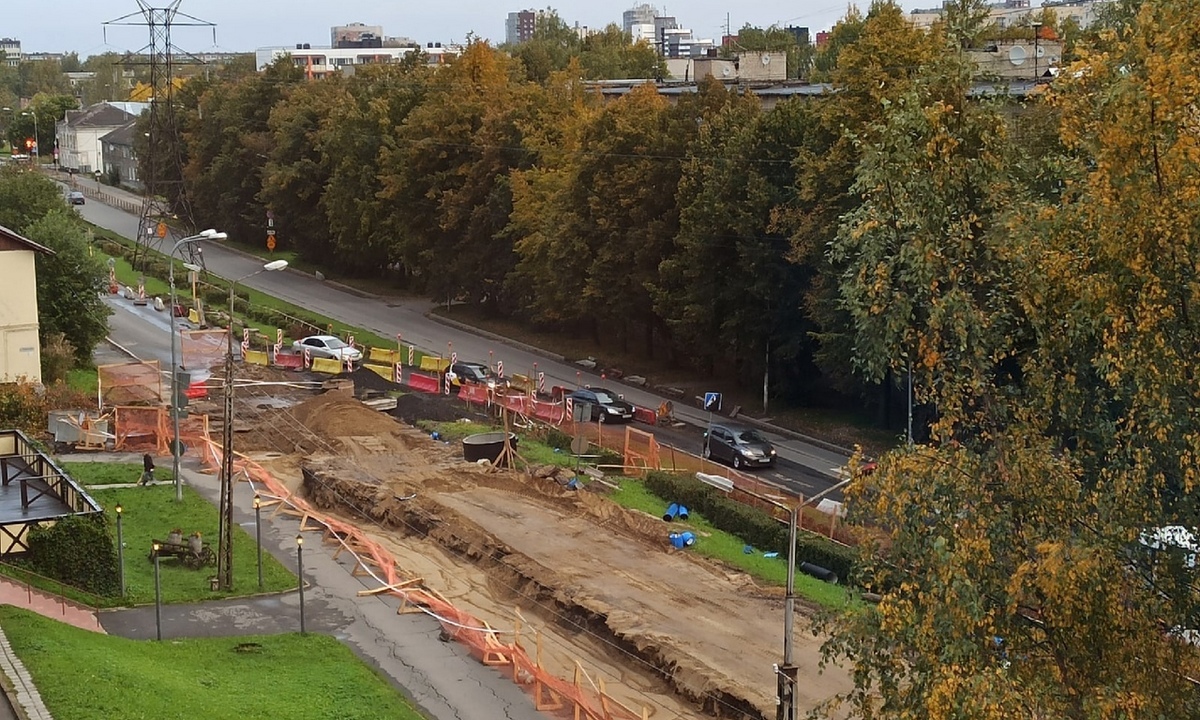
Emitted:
pixel 243 25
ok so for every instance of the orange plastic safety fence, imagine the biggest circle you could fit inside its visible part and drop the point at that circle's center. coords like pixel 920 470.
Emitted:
pixel 150 427
pixel 201 349
pixel 135 383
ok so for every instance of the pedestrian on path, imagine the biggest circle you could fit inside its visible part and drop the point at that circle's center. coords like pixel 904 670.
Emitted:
pixel 147 470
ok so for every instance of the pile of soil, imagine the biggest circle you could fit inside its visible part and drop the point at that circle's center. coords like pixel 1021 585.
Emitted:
pixel 368 383
pixel 415 406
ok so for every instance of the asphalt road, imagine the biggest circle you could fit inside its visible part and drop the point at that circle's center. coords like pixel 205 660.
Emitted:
pixel 802 467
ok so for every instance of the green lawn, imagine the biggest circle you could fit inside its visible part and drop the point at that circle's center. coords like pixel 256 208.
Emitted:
pixel 83 675
pixel 111 473
pixel 85 380
pixel 150 513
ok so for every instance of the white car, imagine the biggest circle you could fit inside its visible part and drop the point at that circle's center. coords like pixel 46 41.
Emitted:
pixel 328 347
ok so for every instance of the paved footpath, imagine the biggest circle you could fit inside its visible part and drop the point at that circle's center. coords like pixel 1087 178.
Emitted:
pixel 440 677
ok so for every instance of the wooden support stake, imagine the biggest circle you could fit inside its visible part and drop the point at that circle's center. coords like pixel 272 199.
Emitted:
pixel 389 588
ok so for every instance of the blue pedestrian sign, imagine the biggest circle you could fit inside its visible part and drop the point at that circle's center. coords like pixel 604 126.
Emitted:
pixel 712 402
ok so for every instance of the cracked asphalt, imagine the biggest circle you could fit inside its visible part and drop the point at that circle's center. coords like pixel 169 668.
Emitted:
pixel 441 678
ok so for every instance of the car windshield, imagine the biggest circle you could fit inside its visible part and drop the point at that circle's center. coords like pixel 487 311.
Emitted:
pixel 479 373
pixel 750 436
pixel 604 397
pixel 335 344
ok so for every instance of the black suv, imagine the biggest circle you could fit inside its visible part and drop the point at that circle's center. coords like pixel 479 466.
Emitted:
pixel 738 445
pixel 607 406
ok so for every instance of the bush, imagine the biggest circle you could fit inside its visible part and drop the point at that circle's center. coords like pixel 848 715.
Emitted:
pixel 58 357
pixel 78 551
pixel 750 524
pixel 22 407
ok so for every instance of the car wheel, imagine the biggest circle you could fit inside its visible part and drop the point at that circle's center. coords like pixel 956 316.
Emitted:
pixel 737 462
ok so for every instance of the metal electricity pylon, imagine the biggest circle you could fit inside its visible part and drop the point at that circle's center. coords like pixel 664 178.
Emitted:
pixel 166 211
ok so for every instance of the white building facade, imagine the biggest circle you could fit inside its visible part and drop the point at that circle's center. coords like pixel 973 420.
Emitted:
pixel 79 134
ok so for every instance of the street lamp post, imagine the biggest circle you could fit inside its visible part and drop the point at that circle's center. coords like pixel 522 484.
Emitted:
pixel 120 550
pixel 175 449
pixel 300 575
pixel 157 596
pixel 788 674
pixel 258 537
pixel 225 541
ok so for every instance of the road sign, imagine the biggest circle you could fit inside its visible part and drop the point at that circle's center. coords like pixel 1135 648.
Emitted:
pixel 712 401
pixel 271 242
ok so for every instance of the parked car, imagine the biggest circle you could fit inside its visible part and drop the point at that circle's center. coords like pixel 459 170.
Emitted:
pixel 473 373
pixel 607 406
pixel 738 445
pixel 329 347
pixel 75 197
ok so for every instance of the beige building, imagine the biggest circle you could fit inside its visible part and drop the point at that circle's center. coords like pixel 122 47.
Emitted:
pixel 20 357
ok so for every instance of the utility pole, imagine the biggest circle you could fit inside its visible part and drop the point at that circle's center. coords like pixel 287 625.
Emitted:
pixel 225 504
pixel 787 675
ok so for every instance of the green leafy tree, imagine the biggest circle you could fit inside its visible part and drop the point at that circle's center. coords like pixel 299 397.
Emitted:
pixel 26 197
pixel 612 55
pixel 42 76
pixel 68 283
pixel 357 134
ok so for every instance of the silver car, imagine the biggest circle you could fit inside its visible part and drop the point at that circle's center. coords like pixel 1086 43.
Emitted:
pixel 328 347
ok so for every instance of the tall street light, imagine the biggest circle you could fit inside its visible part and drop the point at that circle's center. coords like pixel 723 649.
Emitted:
pixel 209 234
pixel 225 543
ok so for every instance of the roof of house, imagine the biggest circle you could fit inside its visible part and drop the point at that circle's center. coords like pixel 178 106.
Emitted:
pixel 14 237
pixel 105 114
pixel 122 135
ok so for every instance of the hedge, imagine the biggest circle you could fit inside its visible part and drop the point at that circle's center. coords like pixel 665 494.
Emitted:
pixel 753 526
pixel 78 551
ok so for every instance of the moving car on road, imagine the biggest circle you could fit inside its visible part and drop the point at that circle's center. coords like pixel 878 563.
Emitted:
pixel 738 445
pixel 328 347
pixel 607 406
pixel 75 197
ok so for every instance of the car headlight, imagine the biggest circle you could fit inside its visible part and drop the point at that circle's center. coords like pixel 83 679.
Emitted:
pixel 611 409
pixel 753 452
pixel 772 451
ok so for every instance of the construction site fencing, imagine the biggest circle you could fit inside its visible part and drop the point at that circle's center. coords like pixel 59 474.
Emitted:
pixel 147 430
pixel 201 349
pixel 133 383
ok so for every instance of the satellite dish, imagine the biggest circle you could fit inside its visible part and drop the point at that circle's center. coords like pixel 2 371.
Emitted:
pixel 1041 51
pixel 725 71
pixel 1016 55
pixel 765 59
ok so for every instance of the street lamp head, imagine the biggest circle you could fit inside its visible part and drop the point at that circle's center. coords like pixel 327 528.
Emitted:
pixel 193 268
pixel 218 236
pixel 276 265
pixel 257 502
pixel 299 541
pixel 118 508
pixel 208 233
pixel 156 547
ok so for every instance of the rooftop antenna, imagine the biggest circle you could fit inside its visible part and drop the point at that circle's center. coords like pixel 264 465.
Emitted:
pixel 165 201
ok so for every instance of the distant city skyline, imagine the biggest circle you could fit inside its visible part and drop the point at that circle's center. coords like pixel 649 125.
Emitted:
pixel 76 26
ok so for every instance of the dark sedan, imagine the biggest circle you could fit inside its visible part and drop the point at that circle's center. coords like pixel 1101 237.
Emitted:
pixel 738 446
pixel 606 405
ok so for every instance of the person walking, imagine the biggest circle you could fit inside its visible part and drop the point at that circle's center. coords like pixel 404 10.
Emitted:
pixel 147 470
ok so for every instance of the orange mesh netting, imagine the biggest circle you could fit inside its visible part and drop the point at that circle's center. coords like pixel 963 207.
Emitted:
pixel 135 383
pixel 150 428
pixel 201 349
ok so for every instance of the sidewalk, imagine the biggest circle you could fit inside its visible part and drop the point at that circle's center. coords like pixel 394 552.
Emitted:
pixel 440 677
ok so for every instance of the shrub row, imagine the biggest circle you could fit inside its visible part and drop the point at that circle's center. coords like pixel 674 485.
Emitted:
pixel 751 525
pixel 77 551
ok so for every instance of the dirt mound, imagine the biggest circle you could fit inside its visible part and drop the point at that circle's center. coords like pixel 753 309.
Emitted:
pixel 367 382
pixel 335 415
pixel 415 406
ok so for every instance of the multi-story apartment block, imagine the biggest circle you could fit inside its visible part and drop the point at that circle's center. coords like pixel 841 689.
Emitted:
pixel 12 51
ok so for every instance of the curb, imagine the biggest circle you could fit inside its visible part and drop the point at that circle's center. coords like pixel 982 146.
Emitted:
pixel 341 286
pixel 493 336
